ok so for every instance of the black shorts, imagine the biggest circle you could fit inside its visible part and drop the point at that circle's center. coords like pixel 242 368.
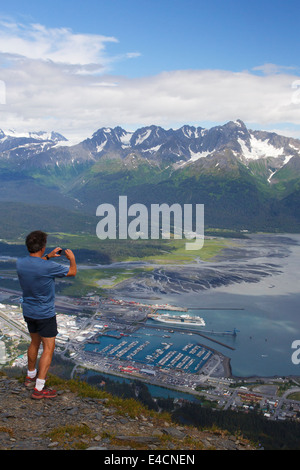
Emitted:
pixel 47 328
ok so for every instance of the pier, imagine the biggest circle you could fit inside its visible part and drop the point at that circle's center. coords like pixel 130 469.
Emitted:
pixel 222 333
pixel 186 330
pixel 110 335
pixel 214 340
pixel 216 308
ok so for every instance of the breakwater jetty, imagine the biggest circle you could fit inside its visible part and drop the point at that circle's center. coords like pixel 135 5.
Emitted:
pixel 186 330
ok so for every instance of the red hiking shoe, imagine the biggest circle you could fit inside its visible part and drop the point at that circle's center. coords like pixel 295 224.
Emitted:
pixel 45 393
pixel 29 382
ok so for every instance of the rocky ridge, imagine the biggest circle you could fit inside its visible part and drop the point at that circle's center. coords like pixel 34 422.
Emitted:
pixel 153 145
pixel 75 422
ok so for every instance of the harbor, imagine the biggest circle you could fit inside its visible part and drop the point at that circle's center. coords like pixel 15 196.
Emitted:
pixel 149 346
pixel 161 352
pixel 162 339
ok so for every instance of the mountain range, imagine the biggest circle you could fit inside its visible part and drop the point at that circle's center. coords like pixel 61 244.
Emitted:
pixel 247 179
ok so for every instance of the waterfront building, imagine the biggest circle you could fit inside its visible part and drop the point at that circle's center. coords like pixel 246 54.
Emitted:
pixel 3 357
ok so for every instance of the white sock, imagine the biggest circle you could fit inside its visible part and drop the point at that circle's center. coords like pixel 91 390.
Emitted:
pixel 39 385
pixel 31 373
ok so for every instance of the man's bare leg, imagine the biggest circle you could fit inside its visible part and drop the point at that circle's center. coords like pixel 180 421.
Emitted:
pixel 33 350
pixel 46 357
pixel 40 391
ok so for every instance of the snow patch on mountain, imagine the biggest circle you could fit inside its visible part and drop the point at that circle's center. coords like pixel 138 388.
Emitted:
pixel 152 149
pixel 125 139
pixel 100 147
pixel 287 159
pixel 271 174
pixel 196 155
pixel 259 149
pixel 295 148
pixel 143 137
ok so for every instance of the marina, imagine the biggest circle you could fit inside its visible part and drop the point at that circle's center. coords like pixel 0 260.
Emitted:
pixel 163 352
pixel 162 341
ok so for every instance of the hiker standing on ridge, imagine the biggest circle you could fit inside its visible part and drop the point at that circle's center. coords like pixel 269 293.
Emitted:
pixel 37 273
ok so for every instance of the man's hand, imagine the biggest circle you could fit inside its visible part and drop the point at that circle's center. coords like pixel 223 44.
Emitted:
pixel 69 254
pixel 54 254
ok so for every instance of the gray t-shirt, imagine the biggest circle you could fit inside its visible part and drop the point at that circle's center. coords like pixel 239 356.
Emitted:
pixel 37 280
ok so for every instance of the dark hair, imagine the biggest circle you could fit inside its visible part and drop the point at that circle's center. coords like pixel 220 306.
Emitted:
pixel 36 241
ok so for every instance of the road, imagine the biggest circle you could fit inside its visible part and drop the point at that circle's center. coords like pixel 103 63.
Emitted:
pixel 284 400
pixel 15 326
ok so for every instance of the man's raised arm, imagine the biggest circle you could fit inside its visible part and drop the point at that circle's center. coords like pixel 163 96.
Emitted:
pixel 71 257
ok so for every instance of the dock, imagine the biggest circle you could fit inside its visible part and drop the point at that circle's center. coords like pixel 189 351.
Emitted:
pixel 216 308
pixel 186 330
pixel 214 340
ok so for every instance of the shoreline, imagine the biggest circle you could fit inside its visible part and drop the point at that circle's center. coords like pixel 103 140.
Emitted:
pixel 227 367
pixel 193 393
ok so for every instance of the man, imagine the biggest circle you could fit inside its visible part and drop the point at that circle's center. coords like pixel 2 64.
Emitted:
pixel 37 273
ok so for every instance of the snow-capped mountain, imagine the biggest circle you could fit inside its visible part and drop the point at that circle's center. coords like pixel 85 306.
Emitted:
pixel 185 146
pixel 40 135
pixel 247 179
pixel 259 151
pixel 190 143
pixel 23 146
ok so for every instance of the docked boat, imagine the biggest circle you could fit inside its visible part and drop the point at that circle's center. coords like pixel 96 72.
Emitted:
pixel 178 319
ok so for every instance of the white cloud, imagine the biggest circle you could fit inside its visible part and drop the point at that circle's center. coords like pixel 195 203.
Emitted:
pixel 271 69
pixel 58 45
pixel 53 82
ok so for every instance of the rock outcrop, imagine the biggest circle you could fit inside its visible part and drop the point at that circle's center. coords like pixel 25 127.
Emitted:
pixel 72 421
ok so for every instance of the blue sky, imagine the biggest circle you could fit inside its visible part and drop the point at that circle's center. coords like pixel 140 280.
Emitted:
pixel 75 66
